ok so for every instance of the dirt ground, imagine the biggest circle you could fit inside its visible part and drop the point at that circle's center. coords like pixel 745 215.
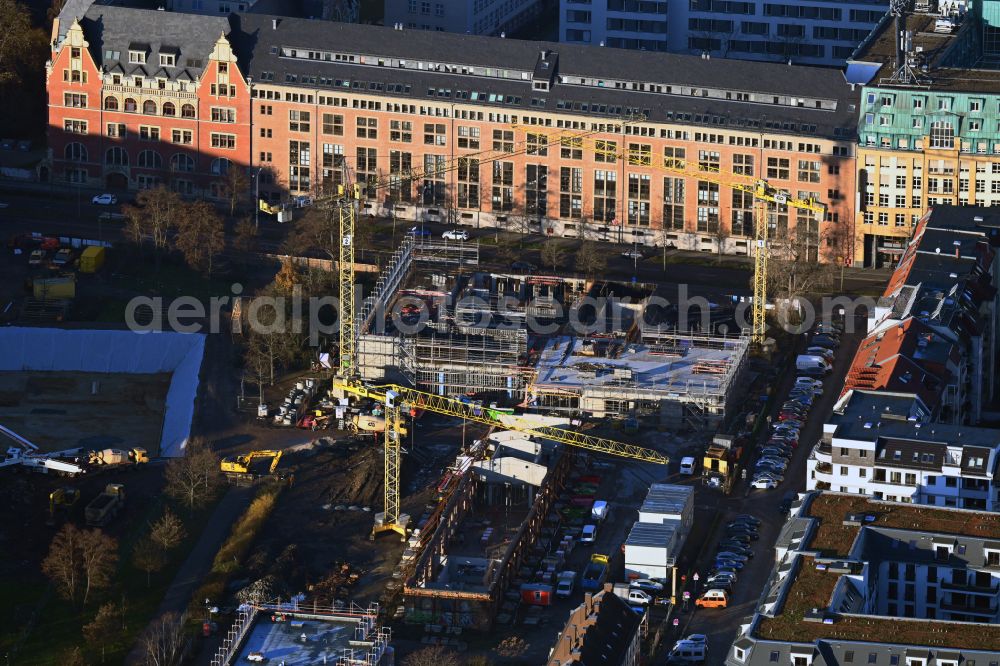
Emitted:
pixel 56 410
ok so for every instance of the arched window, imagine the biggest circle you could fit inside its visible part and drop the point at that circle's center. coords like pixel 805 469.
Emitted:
pixel 187 111
pixel 150 159
pixel 116 156
pixel 149 107
pixel 111 103
pixel 130 105
pixel 942 134
pixel 220 166
pixel 181 162
pixel 75 152
pixel 169 109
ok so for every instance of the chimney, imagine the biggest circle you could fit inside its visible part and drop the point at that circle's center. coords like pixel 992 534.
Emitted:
pixel 274 23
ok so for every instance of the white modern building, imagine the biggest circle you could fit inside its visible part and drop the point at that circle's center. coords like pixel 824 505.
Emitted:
pixel 476 17
pixel 813 32
pixel 882 444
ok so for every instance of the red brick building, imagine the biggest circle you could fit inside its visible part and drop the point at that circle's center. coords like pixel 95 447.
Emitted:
pixel 139 98
pixel 336 103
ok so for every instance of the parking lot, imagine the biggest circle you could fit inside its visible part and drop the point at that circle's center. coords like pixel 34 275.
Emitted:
pixel 720 625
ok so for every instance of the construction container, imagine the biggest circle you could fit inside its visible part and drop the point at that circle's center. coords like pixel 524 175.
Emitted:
pixel 92 259
pixel 51 289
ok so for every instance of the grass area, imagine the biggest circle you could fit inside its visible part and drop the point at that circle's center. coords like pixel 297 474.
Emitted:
pixel 60 624
pixel 813 588
pixel 834 539
pixel 234 549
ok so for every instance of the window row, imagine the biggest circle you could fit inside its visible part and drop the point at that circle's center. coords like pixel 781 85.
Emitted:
pixel 146 159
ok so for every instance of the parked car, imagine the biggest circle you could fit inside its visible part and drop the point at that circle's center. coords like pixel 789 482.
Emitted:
pixel 713 599
pixel 825 341
pixel 764 484
pixel 63 257
pixel 456 235
pixel 104 199
pixel 730 555
pixel 646 585
pixel 821 351
pixel 525 266
pixel 749 532
pixel 420 232
pixel 725 562
pixel 735 547
pixel 814 384
pixel 712 580
pixel 634 254
pixel 37 257
pixel 747 518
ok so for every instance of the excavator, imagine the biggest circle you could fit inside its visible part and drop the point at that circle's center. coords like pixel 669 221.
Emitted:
pixel 240 467
pixel 61 499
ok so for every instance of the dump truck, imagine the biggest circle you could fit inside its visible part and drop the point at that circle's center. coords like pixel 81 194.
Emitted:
pixel 596 572
pixel 62 499
pixel 134 456
pixel 103 508
pixel 719 463
pixel 57 288
pixel 92 259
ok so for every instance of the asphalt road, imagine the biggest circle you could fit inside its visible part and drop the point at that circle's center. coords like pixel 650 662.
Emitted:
pixel 722 625
pixel 70 212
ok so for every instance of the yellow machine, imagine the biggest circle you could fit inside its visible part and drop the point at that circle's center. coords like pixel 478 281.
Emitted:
pixel 241 466
pixel 401 400
pixel 62 499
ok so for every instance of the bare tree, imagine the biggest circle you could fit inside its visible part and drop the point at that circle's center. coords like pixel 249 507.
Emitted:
pixel 245 239
pixel 589 260
pixel 73 657
pixel 152 217
pixel 319 229
pixel 15 40
pixel 195 477
pixel 149 557
pixel 98 557
pixel 200 235
pixel 168 532
pixel 103 627
pixel 720 234
pixel 435 655
pixel 237 185
pixel 553 254
pixel 163 642
pixel 62 564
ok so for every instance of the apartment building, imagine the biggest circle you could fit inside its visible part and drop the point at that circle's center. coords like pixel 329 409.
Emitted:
pixel 886 445
pixel 811 32
pixel 861 581
pixel 471 17
pixel 561 140
pixel 929 123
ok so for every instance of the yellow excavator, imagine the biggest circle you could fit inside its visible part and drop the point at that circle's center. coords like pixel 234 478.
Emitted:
pixel 61 499
pixel 240 467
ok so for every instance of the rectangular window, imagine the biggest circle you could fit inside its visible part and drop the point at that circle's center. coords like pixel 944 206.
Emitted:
pixel 117 130
pixel 298 121
pixel 503 140
pixel 333 123
pixel 569 148
pixel 708 160
pixel 503 185
pixel 605 195
pixel 223 115
pixel 184 137
pixel 367 128
pixel 400 164
pixel 743 164
pixel 468 182
pixel 401 131
pixel 299 165
pixel 75 126
pixel 147 133
pixel 224 141
pixel 808 171
pixel 638 199
pixel 605 151
pixel 536 190
pixel 468 137
pixel 76 100
pixel 673 203
pixel 434 134
pixel 777 168
pixel 640 154
pixel 674 157
pixel 538 144
pixel 570 192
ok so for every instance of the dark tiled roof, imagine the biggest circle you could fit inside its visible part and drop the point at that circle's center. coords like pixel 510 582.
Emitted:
pixel 111 31
pixel 259 44
pixel 607 641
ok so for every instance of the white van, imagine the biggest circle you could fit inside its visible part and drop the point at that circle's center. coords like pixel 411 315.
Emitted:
pixel 687 465
pixel 689 651
pixel 589 534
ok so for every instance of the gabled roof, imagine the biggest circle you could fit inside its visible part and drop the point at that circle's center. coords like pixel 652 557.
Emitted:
pixel 112 31
pixel 607 640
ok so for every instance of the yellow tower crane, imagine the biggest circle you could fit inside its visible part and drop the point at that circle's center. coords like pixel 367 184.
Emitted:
pixel 762 193
pixel 400 400
pixel 346 196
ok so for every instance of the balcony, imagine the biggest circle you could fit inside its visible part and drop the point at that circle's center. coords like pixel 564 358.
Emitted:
pixel 150 92
pixel 971 610
pixel 824 468
pixel 970 589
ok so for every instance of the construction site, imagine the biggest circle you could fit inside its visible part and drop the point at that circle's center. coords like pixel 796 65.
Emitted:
pixel 563 345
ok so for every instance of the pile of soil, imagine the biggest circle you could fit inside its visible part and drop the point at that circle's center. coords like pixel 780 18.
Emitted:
pixel 360 480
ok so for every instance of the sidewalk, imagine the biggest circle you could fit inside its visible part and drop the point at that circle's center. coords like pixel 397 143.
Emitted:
pixel 199 560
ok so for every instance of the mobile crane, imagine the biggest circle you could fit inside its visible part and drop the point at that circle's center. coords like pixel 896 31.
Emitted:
pixel 400 400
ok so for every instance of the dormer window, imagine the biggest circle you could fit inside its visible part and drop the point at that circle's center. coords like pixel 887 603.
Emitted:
pixel 137 57
pixel 168 60
pixel 540 85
